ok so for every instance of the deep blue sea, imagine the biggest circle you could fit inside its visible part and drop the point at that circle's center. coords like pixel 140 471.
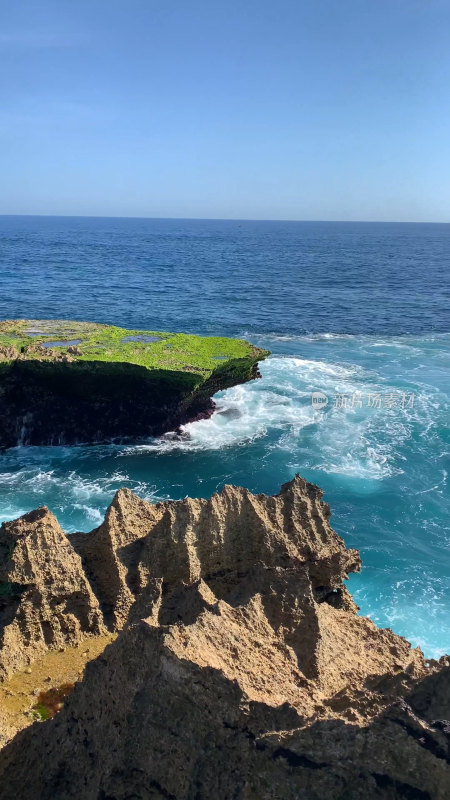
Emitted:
pixel 357 311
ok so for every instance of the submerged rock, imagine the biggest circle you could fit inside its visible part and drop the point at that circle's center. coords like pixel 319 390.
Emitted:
pixel 241 668
pixel 72 382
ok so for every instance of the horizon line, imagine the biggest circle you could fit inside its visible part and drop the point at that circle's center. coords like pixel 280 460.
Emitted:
pixel 233 219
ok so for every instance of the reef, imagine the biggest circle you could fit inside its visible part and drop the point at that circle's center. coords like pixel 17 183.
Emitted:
pixel 236 665
pixel 67 382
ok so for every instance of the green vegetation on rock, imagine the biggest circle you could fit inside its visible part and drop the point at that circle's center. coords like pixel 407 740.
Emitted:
pixel 64 381
pixel 87 341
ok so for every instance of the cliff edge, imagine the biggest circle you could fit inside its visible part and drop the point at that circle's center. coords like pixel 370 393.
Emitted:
pixel 239 668
pixel 81 382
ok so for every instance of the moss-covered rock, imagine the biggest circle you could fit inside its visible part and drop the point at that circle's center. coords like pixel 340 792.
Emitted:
pixel 69 382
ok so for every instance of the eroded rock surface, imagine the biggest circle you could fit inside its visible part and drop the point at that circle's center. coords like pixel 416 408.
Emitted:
pixel 241 669
pixel 45 598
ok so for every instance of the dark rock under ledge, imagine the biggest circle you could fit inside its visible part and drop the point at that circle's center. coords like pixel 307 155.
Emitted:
pixel 74 382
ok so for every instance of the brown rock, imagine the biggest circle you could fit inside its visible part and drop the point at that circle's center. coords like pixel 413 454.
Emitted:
pixel 46 600
pixel 8 352
pixel 242 669
pixel 224 537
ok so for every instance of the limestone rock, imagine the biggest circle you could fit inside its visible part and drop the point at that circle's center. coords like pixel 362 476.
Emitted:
pixel 45 598
pixel 223 539
pixel 241 670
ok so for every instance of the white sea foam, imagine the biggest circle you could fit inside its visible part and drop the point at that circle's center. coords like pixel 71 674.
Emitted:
pixel 271 427
pixel 93 514
pixel 359 443
pixel 345 441
pixel 299 337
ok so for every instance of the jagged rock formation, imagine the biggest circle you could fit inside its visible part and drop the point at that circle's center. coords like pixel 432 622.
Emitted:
pixel 242 669
pixel 45 598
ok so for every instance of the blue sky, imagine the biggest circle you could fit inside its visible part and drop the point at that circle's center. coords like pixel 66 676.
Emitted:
pixel 294 109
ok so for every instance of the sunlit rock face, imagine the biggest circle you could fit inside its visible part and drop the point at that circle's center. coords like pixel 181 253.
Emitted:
pixel 241 667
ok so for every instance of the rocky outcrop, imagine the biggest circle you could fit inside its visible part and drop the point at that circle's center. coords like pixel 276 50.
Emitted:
pixel 80 382
pixel 241 670
pixel 45 598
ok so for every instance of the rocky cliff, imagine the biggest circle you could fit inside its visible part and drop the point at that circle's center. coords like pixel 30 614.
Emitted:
pixel 66 382
pixel 241 668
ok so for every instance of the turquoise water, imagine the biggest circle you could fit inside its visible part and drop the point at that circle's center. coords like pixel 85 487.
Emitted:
pixel 380 447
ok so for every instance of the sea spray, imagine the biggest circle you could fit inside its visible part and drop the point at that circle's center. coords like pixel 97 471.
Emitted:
pixel 384 470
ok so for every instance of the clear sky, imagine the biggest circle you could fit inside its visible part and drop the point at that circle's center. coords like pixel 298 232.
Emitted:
pixel 260 109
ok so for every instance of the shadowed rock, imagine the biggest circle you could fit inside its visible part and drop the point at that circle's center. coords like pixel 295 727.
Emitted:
pixel 82 382
pixel 241 669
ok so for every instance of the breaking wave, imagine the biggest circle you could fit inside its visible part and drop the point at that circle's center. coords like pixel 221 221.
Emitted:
pixel 384 469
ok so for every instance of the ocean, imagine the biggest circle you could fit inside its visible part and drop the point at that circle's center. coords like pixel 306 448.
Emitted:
pixel 357 313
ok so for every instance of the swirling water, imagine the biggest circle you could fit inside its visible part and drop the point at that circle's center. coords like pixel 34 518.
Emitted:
pixel 358 312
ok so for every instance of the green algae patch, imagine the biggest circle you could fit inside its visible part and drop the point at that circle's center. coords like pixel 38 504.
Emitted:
pixel 36 340
pixel 51 701
pixel 66 382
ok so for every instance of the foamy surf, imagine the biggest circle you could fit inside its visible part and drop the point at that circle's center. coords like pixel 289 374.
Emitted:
pixel 348 441
pixel 384 470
